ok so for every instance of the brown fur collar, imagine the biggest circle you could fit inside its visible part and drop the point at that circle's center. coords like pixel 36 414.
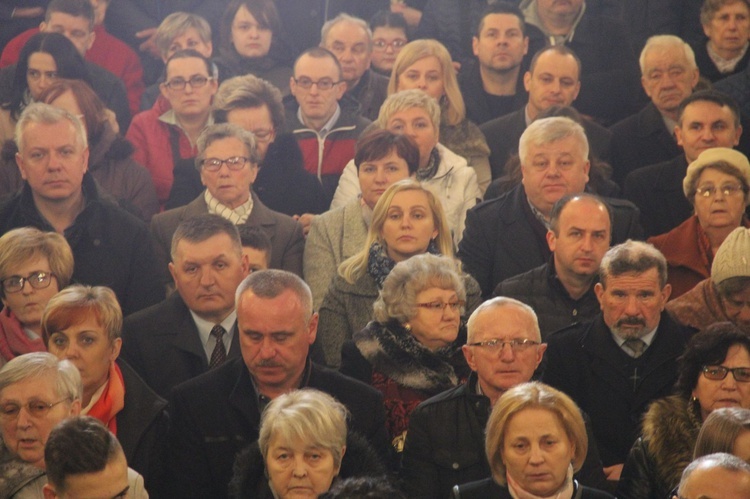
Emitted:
pixel 670 429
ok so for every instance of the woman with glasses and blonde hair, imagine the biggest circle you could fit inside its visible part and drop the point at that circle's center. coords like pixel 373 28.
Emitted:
pixel 34 266
pixel 412 349
pixel 408 220
pixel 714 372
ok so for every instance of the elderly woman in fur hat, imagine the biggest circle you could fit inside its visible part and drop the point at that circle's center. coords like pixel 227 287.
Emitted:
pixel 412 350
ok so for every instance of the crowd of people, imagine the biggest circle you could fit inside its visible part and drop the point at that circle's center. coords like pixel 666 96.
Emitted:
pixel 375 248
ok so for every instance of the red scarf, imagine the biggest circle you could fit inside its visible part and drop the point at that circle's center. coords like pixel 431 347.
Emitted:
pixel 13 339
pixel 112 400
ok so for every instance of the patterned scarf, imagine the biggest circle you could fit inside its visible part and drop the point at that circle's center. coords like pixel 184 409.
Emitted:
pixel 379 264
pixel 431 169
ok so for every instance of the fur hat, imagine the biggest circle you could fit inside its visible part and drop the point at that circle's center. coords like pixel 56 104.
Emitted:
pixel 733 256
pixel 711 157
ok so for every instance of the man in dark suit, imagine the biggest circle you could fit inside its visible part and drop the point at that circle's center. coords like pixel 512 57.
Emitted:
pixel 553 79
pixel 614 366
pixel 507 236
pixel 668 75
pixel 707 119
pixel 217 414
pixel 174 340
pixel 228 162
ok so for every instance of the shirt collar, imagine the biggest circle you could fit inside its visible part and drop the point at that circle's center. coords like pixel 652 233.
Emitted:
pixel 204 330
pixel 647 339
pixel 170 118
pixel 329 124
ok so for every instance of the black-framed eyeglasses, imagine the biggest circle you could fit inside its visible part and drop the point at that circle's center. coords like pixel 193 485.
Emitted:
pixel 710 191
pixel 195 81
pixel 37 280
pixel 35 408
pixel 234 163
pixel 395 44
pixel 322 84
pixel 441 306
pixel 717 373
pixel 517 345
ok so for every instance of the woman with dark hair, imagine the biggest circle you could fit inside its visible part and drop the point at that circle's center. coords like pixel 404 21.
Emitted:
pixel 250 43
pixel 714 372
pixel 44 58
pixel 389 35
pixel 110 160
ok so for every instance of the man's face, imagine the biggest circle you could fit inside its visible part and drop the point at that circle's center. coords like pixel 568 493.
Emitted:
pixel 706 125
pixel 275 337
pixel 189 39
pixel 553 170
pixel 501 45
pixel 352 47
pixel 716 483
pixel 109 483
pixel 206 274
pixel 632 303
pixel 582 239
pixel 668 77
pixel 317 104
pixel 189 101
pixel 553 82
pixel 559 7
pixel 75 29
pixel 53 161
pixel 231 187
pixel 729 28
pixel 499 370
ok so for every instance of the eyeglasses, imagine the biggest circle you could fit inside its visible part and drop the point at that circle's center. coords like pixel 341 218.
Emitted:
pixel 517 345
pixel 727 189
pixel 322 84
pixel 35 408
pixel 35 74
pixel 195 81
pixel 234 163
pixel 394 45
pixel 717 373
pixel 37 280
pixel 441 306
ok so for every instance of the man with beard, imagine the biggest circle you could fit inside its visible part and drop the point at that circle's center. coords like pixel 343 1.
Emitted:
pixel 614 366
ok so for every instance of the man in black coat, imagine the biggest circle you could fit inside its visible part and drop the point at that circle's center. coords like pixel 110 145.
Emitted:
pixel 507 236
pixel 218 414
pixel 616 365
pixel 707 119
pixel 110 246
pixel 552 80
pixel 172 341
pixel 445 441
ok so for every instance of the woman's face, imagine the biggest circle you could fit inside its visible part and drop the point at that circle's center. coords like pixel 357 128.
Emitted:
pixel 28 303
pixel 377 175
pixel 248 38
pixel 536 451
pixel 69 103
pixel 416 124
pixel 436 322
pixel 41 73
pixel 299 470
pixel 727 392
pixel 257 120
pixel 719 210
pixel 387 43
pixel 24 433
pixel 426 74
pixel 409 225
pixel 89 348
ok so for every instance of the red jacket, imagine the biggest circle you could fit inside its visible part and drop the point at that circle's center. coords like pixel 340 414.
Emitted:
pixel 151 139
pixel 107 51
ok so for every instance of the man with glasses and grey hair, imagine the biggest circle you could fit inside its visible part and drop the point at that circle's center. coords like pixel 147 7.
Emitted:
pixel 615 365
pixel 445 440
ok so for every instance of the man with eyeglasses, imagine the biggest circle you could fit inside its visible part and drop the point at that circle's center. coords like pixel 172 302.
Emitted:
pixel 227 162
pixel 325 121
pixel 445 440
pixel 706 119
pixel 614 366
pixel 165 137
pixel 715 476
pixel 350 39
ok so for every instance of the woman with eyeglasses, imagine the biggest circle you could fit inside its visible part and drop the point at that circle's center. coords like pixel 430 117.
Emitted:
pixel 714 372
pixel 250 43
pixel 389 35
pixel 412 349
pixel 34 266
pixel 717 185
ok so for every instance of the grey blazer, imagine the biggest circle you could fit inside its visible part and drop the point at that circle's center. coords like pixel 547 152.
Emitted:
pixel 334 236
pixel 287 240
